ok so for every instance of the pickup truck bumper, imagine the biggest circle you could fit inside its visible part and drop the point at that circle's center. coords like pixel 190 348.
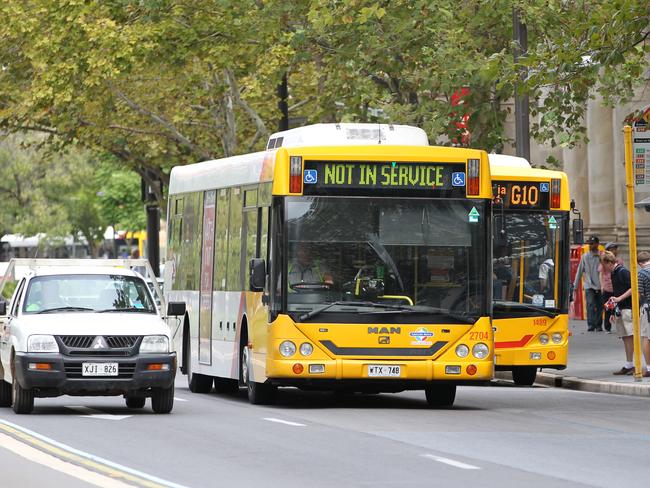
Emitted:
pixel 137 375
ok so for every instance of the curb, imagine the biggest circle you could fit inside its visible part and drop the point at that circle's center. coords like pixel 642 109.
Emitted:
pixel 582 384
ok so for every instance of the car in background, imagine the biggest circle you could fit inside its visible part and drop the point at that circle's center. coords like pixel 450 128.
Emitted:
pixel 84 330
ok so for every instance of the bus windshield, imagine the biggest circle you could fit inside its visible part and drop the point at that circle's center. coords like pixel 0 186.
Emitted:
pixel 530 252
pixel 424 257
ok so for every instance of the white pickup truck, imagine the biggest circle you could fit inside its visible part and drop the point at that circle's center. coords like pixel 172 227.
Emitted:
pixel 84 327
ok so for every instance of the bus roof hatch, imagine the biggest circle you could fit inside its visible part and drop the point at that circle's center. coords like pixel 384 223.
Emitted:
pixel 347 134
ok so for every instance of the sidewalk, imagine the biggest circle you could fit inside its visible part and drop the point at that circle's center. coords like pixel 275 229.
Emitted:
pixel 593 357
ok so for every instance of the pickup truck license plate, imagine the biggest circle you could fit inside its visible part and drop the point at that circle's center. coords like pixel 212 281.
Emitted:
pixel 384 370
pixel 99 369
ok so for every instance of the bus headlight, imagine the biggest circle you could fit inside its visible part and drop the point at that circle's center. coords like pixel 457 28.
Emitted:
pixel 306 349
pixel 287 349
pixel 154 344
pixel 543 339
pixel 462 351
pixel 42 343
pixel 480 350
pixel 556 337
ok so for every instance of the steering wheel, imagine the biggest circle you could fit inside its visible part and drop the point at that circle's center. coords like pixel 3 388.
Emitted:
pixel 307 287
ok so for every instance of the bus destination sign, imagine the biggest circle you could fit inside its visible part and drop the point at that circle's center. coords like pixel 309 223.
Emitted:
pixel 523 194
pixel 366 177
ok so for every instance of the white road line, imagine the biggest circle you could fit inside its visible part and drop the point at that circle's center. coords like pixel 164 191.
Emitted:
pixel 176 399
pixel 450 462
pixel 286 422
pixel 49 461
pixel 91 413
pixel 92 457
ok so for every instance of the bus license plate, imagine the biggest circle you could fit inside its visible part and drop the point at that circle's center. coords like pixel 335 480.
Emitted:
pixel 98 369
pixel 385 370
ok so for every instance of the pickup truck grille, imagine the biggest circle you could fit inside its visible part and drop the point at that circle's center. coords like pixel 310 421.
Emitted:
pixel 111 345
pixel 73 370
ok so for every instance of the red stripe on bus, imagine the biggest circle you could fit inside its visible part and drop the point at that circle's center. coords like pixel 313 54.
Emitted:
pixel 507 344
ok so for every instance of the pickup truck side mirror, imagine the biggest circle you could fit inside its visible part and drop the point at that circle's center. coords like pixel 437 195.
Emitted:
pixel 257 268
pixel 176 308
pixel 3 308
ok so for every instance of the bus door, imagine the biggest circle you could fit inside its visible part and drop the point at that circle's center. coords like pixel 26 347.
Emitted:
pixel 207 269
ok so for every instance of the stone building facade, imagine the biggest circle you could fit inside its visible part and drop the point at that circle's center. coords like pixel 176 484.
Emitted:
pixel 596 172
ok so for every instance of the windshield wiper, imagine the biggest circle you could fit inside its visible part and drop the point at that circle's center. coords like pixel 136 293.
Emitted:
pixel 68 309
pixel 526 306
pixel 390 309
pixel 129 309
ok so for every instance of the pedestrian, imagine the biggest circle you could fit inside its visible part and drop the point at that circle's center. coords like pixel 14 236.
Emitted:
pixel 606 285
pixel 643 259
pixel 622 304
pixel 589 268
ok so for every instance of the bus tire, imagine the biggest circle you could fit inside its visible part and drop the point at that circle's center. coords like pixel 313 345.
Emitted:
pixel 162 400
pixel 23 400
pixel 227 386
pixel 197 383
pixel 258 393
pixel 5 394
pixel 135 402
pixel 440 395
pixel 524 375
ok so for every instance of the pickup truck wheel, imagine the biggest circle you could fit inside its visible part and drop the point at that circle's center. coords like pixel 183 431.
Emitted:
pixel 5 394
pixel 23 400
pixel 135 402
pixel 162 400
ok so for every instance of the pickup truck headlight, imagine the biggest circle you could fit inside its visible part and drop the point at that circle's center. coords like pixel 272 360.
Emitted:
pixel 154 344
pixel 42 343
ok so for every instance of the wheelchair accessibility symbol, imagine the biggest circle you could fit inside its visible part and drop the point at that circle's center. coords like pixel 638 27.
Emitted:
pixel 310 177
pixel 543 187
pixel 458 179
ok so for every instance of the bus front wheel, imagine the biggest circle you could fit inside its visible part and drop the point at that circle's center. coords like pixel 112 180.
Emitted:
pixel 258 393
pixel 524 375
pixel 440 395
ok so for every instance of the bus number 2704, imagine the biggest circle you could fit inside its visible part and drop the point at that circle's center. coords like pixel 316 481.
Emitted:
pixel 478 336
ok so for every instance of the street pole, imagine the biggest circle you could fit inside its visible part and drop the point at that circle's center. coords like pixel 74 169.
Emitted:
pixel 522 123
pixel 629 184
pixel 283 104
pixel 153 237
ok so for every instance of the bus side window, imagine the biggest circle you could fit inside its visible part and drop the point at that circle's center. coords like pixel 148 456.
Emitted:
pixel 234 278
pixel 221 240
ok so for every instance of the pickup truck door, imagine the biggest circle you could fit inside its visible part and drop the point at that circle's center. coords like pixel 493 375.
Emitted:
pixel 6 324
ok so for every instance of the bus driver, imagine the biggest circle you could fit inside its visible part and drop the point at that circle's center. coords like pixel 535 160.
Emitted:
pixel 304 269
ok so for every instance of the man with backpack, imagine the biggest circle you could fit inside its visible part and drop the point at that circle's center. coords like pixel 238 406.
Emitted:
pixel 622 304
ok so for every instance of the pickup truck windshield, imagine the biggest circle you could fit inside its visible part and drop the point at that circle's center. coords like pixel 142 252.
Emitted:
pixel 84 292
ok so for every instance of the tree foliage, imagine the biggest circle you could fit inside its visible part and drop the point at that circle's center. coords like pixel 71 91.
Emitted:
pixel 157 83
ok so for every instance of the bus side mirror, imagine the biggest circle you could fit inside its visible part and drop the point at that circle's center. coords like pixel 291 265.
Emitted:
pixel 3 308
pixel 578 232
pixel 257 268
pixel 176 309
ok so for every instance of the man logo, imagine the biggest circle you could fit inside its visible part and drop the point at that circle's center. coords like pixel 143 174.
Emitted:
pixel 384 330
pixel 99 343
pixel 384 339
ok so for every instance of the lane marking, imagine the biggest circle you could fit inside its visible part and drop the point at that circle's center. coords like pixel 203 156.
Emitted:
pixel 450 462
pixel 286 422
pixel 180 399
pixel 84 459
pixel 34 455
pixel 91 413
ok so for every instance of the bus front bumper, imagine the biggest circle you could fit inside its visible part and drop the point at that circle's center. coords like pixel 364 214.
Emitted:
pixel 547 356
pixel 291 372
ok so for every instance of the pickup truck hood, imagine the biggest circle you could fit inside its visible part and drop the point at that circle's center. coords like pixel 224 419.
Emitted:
pixel 81 323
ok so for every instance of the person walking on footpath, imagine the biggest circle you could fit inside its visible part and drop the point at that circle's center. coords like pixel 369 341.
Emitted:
pixel 606 285
pixel 589 268
pixel 643 259
pixel 622 301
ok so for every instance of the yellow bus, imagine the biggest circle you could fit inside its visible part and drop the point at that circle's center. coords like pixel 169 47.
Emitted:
pixel 344 257
pixel 530 267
